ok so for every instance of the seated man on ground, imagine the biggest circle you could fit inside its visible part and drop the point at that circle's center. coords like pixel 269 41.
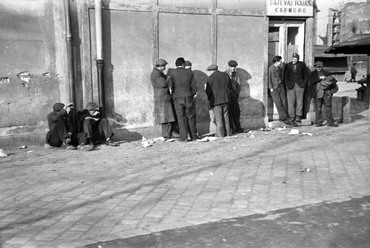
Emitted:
pixel 93 128
pixel 60 127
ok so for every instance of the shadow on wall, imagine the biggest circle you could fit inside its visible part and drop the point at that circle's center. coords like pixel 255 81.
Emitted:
pixel 252 111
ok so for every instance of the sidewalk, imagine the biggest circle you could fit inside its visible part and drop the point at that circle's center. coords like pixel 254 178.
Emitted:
pixel 57 198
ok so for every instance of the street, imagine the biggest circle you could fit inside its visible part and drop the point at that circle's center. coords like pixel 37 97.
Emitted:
pixel 255 189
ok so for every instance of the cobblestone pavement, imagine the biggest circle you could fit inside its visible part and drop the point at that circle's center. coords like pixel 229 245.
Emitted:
pixel 56 198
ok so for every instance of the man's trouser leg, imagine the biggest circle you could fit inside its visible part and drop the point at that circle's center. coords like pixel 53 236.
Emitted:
pixel 328 108
pixel 278 96
pixel 190 116
pixel 318 111
pixel 291 97
pixel 181 117
pixel 105 128
pixel 299 92
pixel 220 128
pixel 166 130
pixel 225 114
pixel 58 134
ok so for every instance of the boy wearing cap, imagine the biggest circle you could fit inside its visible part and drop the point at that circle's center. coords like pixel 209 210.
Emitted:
pixel 60 127
pixel 93 127
pixel 234 108
pixel 218 88
pixel 277 90
pixel 325 86
pixel 163 110
pixel 295 81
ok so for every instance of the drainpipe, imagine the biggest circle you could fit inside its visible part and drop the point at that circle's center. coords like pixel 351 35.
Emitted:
pixel 71 96
pixel 99 54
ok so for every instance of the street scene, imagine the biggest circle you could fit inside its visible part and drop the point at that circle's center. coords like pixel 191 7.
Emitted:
pixel 309 189
pixel 184 124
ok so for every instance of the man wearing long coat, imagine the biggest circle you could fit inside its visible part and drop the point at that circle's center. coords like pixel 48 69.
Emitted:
pixel 163 111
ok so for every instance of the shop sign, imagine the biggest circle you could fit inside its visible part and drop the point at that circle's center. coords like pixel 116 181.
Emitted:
pixel 290 8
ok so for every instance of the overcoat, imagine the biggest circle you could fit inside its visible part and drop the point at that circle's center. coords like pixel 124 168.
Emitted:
pixel 163 110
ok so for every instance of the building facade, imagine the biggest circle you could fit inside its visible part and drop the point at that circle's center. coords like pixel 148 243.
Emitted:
pixel 80 53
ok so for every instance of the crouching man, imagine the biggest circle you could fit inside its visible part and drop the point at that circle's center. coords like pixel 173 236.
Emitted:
pixel 93 128
pixel 60 127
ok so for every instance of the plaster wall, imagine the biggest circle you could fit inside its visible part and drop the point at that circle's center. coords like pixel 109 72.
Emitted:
pixel 27 46
pixel 355 21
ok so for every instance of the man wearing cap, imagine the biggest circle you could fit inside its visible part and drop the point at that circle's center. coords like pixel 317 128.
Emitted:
pixel 325 86
pixel 60 127
pixel 93 128
pixel 183 89
pixel 277 90
pixel 218 88
pixel 163 111
pixel 188 64
pixel 234 109
pixel 295 81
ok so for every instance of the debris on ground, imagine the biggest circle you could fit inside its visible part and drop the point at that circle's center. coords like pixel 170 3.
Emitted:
pixel 22 147
pixel 294 131
pixel 146 143
pixel 206 139
pixel 308 134
pixel 306 170
pixel 3 153
pixel 265 129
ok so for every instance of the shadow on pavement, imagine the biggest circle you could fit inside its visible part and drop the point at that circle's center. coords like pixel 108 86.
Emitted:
pixel 328 224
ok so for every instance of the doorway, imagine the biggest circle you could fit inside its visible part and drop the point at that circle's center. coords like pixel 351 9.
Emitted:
pixel 284 39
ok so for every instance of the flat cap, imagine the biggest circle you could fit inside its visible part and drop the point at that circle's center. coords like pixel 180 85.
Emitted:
pixel 295 55
pixel 233 63
pixel 187 63
pixel 91 106
pixel 319 64
pixel 161 62
pixel 58 106
pixel 212 67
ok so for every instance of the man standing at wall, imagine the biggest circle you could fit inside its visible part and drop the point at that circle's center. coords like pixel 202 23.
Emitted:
pixel 234 109
pixel 183 89
pixel 295 80
pixel 218 89
pixel 163 111
pixel 277 90
pixel 325 86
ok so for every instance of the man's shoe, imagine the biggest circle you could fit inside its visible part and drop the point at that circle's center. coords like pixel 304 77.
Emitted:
pixel 111 143
pixel 70 147
pixel 294 124
pixel 332 125
pixel 241 130
pixel 175 135
pixel 286 122
pixel 320 125
pixel 299 120
pixel 83 147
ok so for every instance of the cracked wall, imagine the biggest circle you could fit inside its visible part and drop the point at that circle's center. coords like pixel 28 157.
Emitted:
pixel 29 84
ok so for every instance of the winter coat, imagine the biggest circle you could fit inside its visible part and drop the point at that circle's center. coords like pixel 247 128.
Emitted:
pixel 163 110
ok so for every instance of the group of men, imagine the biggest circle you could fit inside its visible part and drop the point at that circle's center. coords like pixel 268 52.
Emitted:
pixel 175 93
pixel 72 129
pixel 287 86
pixel 174 103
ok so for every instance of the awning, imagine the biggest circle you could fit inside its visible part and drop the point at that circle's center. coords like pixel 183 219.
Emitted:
pixel 356 46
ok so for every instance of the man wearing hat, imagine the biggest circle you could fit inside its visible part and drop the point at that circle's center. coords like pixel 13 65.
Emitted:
pixel 60 127
pixel 93 128
pixel 325 86
pixel 218 88
pixel 234 109
pixel 183 89
pixel 163 111
pixel 295 81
